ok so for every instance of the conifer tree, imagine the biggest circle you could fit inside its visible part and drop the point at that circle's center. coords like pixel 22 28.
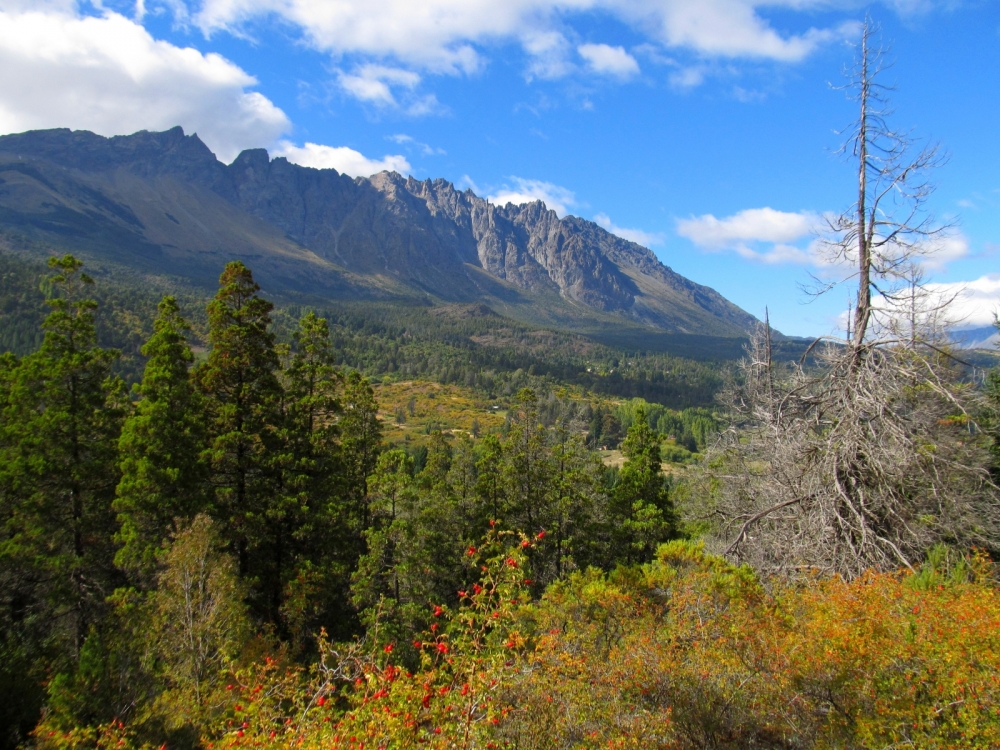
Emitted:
pixel 242 399
pixel 463 479
pixel 361 440
pixel 489 477
pixel 641 512
pixel 391 585
pixel 61 413
pixel 58 470
pixel 434 474
pixel 571 509
pixel 163 476
pixel 527 468
pixel 309 525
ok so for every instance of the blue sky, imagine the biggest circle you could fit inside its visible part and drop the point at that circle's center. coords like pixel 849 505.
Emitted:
pixel 704 129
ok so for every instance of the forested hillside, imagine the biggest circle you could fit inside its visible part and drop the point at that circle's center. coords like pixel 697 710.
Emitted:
pixel 234 552
pixel 465 344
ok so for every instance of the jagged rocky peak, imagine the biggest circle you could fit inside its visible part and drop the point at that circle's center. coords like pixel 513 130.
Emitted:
pixel 422 237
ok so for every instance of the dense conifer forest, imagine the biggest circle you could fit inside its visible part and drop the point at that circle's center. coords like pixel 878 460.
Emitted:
pixel 208 540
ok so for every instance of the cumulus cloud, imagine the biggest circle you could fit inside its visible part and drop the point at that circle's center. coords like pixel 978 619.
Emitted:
pixel 557 198
pixel 765 235
pixel 960 305
pixel 608 60
pixel 770 236
pixel 343 159
pixel 751 225
pixel 445 35
pixel 109 75
pixel 388 87
pixel 638 236
pixel 372 83
pixel 973 303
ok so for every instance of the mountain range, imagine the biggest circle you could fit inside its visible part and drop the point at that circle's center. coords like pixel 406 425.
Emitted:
pixel 161 203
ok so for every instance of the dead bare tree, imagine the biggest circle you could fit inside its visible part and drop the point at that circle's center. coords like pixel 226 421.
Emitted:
pixel 886 231
pixel 871 456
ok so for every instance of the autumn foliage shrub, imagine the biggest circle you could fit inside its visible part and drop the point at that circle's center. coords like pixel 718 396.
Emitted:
pixel 694 652
pixel 688 651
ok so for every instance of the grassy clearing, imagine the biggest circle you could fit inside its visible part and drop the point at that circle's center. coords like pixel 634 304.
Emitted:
pixel 411 410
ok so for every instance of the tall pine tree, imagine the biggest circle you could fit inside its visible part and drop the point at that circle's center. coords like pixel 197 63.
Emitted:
pixel 163 476
pixel 310 536
pixel 242 395
pixel 58 434
pixel 361 439
pixel 641 511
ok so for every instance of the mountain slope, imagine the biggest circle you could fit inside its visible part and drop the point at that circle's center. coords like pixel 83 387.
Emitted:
pixel 162 203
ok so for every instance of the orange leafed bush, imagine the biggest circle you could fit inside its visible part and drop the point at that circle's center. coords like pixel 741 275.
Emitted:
pixel 696 653
pixel 686 652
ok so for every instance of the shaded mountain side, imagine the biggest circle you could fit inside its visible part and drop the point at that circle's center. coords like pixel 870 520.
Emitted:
pixel 162 203
pixel 469 344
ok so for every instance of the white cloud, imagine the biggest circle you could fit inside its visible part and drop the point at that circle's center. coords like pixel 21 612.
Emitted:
pixel 374 84
pixel 557 198
pixel 974 303
pixel 730 28
pixel 959 304
pixel 937 252
pixel 638 236
pixel 108 75
pixel 764 235
pixel 443 35
pixel 408 140
pixel 371 83
pixel 750 225
pixel 688 78
pixel 607 60
pixel 549 54
pixel 343 159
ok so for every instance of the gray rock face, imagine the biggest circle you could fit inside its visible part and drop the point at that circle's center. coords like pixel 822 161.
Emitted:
pixel 314 227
